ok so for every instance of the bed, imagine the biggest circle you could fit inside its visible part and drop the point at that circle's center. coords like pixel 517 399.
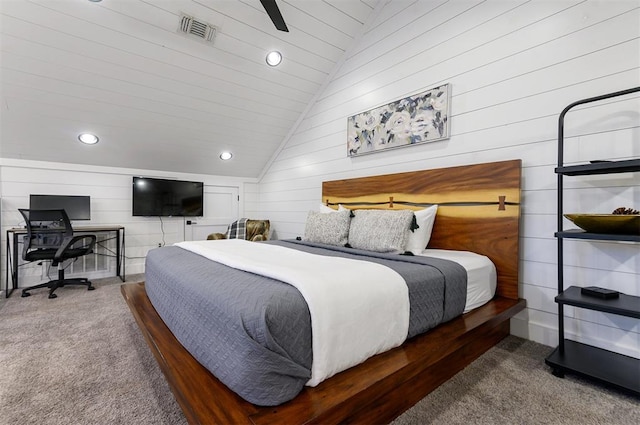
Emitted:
pixel 478 211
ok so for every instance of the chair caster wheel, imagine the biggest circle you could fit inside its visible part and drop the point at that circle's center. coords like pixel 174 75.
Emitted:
pixel 53 296
pixel 25 294
pixel 90 288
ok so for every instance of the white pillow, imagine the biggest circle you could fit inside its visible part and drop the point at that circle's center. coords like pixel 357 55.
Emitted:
pixel 419 238
pixel 324 209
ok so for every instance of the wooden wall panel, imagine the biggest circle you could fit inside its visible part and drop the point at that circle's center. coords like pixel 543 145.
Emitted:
pixel 461 223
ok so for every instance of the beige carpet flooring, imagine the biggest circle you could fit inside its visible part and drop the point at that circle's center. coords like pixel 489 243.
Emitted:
pixel 81 359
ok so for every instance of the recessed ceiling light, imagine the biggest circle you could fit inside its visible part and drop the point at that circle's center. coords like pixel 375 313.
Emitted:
pixel 225 156
pixel 95 1
pixel 274 58
pixel 88 138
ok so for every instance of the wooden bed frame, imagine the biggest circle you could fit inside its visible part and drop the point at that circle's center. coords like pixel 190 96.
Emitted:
pixel 479 210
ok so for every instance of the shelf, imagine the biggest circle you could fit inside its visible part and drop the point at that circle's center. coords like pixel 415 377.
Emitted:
pixel 605 366
pixel 624 305
pixel 581 234
pixel 605 167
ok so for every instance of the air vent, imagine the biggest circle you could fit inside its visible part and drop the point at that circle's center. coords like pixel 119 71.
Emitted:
pixel 195 28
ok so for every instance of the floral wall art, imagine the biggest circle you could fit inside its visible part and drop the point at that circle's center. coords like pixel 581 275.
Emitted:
pixel 419 118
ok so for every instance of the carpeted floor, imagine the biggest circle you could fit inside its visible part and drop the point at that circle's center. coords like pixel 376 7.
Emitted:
pixel 81 359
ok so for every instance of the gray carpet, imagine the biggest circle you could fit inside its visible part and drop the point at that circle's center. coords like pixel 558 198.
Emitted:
pixel 81 359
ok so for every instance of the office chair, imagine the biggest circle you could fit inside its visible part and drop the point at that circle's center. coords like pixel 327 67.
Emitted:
pixel 50 238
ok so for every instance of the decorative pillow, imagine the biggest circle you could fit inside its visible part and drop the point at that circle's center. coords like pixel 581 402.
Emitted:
pixel 380 230
pixel 332 229
pixel 419 238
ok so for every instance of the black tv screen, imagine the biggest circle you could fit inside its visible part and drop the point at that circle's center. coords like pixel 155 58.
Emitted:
pixel 76 207
pixel 167 198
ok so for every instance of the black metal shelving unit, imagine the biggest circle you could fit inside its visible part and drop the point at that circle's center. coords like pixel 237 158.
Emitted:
pixel 605 366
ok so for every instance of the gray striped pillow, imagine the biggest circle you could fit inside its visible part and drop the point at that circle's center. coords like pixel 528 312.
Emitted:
pixel 380 230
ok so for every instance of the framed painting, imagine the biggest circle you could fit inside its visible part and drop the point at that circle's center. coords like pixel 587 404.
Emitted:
pixel 420 118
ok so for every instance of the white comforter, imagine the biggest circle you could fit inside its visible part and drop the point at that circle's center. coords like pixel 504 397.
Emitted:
pixel 358 309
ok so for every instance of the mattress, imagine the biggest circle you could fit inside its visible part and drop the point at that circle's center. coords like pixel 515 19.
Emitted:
pixel 481 274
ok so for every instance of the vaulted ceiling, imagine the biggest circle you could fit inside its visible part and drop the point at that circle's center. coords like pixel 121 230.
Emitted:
pixel 158 98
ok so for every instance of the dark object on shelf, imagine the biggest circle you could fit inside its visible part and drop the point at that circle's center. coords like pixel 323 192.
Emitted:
pixel 617 224
pixel 595 291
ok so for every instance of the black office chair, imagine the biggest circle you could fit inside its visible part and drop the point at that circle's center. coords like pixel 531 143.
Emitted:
pixel 50 238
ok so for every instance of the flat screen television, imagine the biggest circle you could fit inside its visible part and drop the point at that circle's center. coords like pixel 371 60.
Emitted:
pixel 76 207
pixel 167 198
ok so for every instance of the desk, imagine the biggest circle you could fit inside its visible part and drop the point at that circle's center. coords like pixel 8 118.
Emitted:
pixel 13 240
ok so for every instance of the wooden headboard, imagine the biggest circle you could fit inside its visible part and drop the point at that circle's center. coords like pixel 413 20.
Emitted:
pixel 478 208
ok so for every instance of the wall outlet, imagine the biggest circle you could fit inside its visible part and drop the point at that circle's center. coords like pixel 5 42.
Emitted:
pixel 159 244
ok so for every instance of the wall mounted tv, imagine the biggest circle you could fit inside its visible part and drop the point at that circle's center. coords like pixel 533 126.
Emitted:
pixel 76 207
pixel 167 198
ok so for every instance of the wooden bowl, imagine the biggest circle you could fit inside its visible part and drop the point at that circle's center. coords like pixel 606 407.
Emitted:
pixel 625 224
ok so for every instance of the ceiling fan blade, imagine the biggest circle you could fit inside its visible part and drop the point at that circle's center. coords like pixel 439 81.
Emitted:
pixel 274 13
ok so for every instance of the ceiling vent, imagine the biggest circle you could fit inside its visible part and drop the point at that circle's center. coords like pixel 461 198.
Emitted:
pixel 198 29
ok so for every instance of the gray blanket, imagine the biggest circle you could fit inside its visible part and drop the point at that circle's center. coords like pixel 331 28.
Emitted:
pixel 254 333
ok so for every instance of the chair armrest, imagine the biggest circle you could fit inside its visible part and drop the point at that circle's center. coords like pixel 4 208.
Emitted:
pixel 70 241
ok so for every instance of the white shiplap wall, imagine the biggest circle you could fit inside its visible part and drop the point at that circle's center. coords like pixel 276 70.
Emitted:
pixel 110 192
pixel 513 66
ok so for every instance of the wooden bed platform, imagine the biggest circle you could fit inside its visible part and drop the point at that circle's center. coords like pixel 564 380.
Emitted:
pixel 374 392
pixel 478 211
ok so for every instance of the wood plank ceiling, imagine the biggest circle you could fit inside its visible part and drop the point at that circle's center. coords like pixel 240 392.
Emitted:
pixel 157 98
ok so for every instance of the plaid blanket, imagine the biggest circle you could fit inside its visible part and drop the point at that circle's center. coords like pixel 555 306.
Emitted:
pixel 238 229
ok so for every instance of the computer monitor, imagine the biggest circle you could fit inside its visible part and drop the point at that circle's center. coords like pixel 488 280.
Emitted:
pixel 76 207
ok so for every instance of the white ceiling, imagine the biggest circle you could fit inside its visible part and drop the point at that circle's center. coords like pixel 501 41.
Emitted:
pixel 157 98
